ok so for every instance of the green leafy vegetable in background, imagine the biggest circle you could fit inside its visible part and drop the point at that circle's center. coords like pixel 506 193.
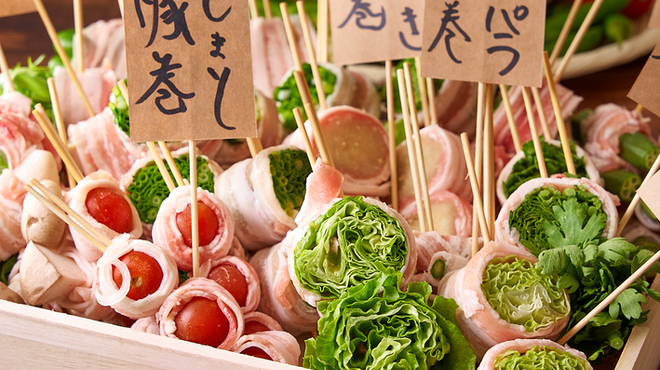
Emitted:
pixel 119 108
pixel 527 167
pixel 3 161
pixel 5 268
pixel 148 189
pixel 542 358
pixel 289 169
pixel 375 325
pixel 353 242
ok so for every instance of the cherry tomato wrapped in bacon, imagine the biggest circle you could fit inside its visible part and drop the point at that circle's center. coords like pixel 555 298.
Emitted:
pixel 240 279
pixel 135 277
pixel 258 321
pixel 203 312
pixel 278 346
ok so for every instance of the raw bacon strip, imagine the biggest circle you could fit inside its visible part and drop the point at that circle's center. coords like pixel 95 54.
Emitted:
pixel 100 145
pixel 602 131
pixel 247 189
pixel 456 106
pixel 280 346
pixel 251 281
pixel 18 133
pixel 323 186
pixel 167 235
pixel 567 100
pixel 147 325
pixel 431 242
pixel 452 215
pixel 521 346
pixel 255 321
pixel 358 145
pixel 76 199
pixel 366 95
pixel 103 42
pixel 279 298
pixel 480 323
pixel 204 288
pixel 444 164
pixel 132 308
pixel 97 84
pixel 504 233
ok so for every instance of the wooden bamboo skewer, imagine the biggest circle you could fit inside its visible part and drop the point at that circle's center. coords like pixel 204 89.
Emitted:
pixel 423 94
pixel 610 298
pixel 509 115
pixel 59 122
pixel 430 89
pixel 194 219
pixel 268 12
pixel 52 33
pixel 322 27
pixel 535 137
pixel 577 39
pixel 180 181
pixel 565 30
pixel 488 183
pixel 561 126
pixel 478 150
pixel 4 68
pixel 79 220
pixel 476 192
pixel 418 160
pixel 254 11
pixel 78 38
pixel 391 134
pixel 62 150
pixel 291 37
pixel 403 94
pixel 121 8
pixel 311 55
pixel 303 131
pixel 161 165
pixel 541 112
pixel 635 200
pixel 254 145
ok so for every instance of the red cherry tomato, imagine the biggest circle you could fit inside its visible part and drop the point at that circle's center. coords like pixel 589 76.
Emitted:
pixel 637 8
pixel 109 207
pixel 201 321
pixel 256 352
pixel 208 224
pixel 146 274
pixel 231 279
pixel 252 327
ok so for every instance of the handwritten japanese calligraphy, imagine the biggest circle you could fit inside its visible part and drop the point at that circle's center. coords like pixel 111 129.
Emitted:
pixel 645 89
pixel 391 28
pixel 187 62
pixel 484 40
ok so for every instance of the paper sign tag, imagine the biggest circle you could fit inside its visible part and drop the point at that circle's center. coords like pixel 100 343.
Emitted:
pixel 645 89
pixel 654 19
pixel 365 31
pixel 189 70
pixel 16 7
pixel 649 192
pixel 498 42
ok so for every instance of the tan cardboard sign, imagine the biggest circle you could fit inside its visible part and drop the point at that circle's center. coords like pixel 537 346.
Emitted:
pixel 16 7
pixel 645 89
pixel 649 192
pixel 365 31
pixel 189 70
pixel 499 42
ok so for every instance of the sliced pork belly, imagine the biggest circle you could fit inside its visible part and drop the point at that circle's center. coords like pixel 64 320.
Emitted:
pixel 103 42
pixel 258 321
pixel 278 346
pixel 602 130
pixel 452 215
pixel 456 106
pixel 188 306
pixel 431 242
pixel 444 165
pixel 146 325
pixel 100 201
pixel 100 145
pixel 18 133
pixel 542 314
pixel 567 100
pixel 564 356
pixel 240 279
pixel 97 84
pixel 135 260
pixel 217 225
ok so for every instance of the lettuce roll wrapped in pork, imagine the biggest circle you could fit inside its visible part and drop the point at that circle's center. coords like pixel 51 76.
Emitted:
pixel 533 354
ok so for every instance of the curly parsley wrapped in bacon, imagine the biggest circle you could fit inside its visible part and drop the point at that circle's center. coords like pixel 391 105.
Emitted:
pixel 375 325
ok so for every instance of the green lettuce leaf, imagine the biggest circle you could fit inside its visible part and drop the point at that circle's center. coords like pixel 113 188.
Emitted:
pixel 375 325
pixel 353 242
pixel 541 358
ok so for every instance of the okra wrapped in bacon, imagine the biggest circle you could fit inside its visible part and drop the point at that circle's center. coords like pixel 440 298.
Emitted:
pixel 264 194
pixel 173 231
pixel 503 295
pixel 135 277
pixel 203 312
pixel 106 207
